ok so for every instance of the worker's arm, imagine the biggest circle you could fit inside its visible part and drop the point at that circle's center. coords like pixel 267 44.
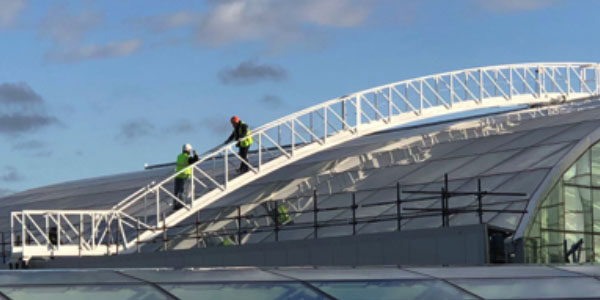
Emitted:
pixel 193 159
pixel 230 137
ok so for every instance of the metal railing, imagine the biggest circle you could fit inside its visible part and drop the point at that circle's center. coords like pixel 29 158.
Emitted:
pixel 305 213
pixel 291 138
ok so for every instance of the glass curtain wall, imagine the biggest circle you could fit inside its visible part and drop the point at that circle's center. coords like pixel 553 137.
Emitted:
pixel 570 213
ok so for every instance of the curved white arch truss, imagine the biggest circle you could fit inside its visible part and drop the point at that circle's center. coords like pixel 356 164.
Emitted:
pixel 143 215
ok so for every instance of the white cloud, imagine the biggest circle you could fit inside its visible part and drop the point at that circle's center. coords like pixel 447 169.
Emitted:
pixel 515 5
pixel 62 27
pixel 275 21
pixel 78 53
pixel 9 11
pixel 239 20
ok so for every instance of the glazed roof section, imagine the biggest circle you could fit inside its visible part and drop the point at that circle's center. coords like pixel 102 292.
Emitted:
pixel 510 152
pixel 483 282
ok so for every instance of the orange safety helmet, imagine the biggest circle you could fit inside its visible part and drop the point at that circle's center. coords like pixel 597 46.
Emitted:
pixel 235 120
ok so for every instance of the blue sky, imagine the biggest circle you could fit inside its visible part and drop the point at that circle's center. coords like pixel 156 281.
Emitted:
pixel 91 88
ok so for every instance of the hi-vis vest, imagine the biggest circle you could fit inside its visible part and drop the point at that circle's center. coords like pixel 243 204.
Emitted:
pixel 246 141
pixel 182 162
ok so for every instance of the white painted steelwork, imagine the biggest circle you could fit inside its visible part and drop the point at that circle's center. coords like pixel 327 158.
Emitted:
pixel 143 215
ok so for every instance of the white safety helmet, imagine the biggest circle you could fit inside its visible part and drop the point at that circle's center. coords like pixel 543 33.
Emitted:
pixel 187 148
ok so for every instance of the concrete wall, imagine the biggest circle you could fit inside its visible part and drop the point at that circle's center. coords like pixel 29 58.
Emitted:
pixel 461 245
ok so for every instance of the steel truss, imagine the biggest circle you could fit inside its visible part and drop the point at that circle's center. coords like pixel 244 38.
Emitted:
pixel 145 214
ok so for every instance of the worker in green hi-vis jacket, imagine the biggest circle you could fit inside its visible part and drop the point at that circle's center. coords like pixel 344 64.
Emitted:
pixel 183 161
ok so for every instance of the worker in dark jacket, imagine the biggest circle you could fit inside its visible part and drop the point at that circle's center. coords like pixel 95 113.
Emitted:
pixel 183 161
pixel 241 134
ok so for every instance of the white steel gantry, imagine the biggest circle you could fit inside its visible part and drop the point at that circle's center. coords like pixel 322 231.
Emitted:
pixel 145 214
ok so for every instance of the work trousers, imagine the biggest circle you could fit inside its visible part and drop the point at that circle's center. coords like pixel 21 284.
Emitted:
pixel 243 152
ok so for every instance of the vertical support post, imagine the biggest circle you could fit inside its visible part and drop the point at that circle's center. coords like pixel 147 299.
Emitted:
pixel 93 229
pixel 467 85
pixel 276 219
pixel 80 229
pixel 12 231
pixel 354 213
pixel 358 111
pixel 165 237
pixel 24 230
pixel 524 79
pixel 260 148
pixel 437 90
pixel 324 124
pixel 192 192
pixel 443 198
pixel 496 81
pixel 481 86
pixel 145 206
pixel 539 80
pixel 108 235
pixel 198 229
pixel 390 104
pixel 568 75
pixel 510 83
pixel 239 225
pixel 137 235
pixel 420 96
pixel 479 204
pixel 344 113
pixel 293 137
pixel 311 126
pixel 398 206
pixel 157 192
pixel 406 96
pixel 451 89
pixel 597 77
pixel 315 215
pixel 376 105
pixel 118 236
pixel 58 231
pixel 225 160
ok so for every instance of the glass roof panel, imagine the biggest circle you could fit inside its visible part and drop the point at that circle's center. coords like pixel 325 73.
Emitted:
pixel 204 275
pixel 396 290
pixel 58 277
pixel 246 291
pixel 359 273
pixel 88 292
pixel 551 288
pixel 493 272
pixel 591 270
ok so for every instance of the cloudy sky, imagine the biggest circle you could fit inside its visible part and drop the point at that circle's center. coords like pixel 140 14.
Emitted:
pixel 91 88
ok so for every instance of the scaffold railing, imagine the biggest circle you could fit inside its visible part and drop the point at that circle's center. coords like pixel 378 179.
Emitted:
pixel 289 139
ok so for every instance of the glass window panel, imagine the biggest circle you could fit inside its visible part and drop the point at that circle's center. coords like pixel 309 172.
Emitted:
pixel 595 167
pixel 247 291
pixel 591 270
pixel 60 277
pixel 493 272
pixel 203 275
pixel 532 288
pixel 332 273
pixel 396 290
pixel 88 292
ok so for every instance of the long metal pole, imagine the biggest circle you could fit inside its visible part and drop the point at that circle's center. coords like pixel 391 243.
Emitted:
pixel 276 222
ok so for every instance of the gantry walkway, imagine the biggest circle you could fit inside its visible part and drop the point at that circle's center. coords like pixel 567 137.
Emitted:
pixel 144 215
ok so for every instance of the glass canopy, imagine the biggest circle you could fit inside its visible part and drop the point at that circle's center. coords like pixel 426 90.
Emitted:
pixel 386 282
